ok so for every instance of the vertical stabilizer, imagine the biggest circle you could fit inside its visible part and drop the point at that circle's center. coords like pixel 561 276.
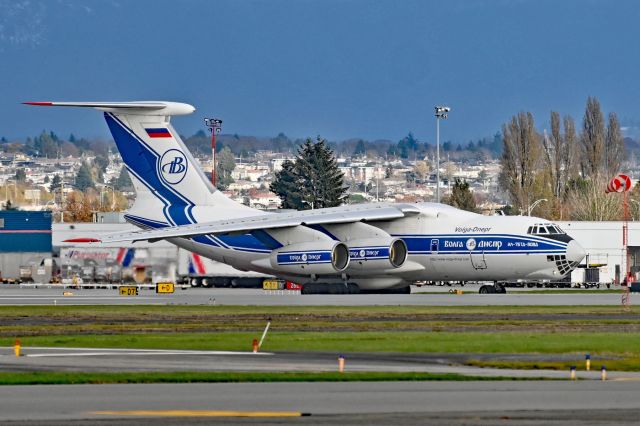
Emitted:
pixel 170 186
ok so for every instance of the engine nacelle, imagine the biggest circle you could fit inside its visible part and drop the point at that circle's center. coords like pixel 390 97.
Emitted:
pixel 377 254
pixel 312 258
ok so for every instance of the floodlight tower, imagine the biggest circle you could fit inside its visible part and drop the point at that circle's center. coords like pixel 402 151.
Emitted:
pixel 442 113
pixel 215 125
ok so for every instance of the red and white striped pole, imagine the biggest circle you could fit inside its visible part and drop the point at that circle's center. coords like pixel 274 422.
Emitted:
pixel 622 183
pixel 215 125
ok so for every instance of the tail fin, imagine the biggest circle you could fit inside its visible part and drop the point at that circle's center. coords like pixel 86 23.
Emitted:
pixel 170 186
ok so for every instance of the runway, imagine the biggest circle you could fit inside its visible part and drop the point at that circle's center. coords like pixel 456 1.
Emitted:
pixel 13 295
pixel 407 403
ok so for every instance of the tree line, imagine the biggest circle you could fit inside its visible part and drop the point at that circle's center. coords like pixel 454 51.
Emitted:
pixel 566 166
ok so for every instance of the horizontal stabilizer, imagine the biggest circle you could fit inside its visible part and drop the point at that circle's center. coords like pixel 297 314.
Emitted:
pixel 136 108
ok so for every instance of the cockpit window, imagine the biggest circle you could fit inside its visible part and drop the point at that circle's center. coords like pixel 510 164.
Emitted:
pixel 545 229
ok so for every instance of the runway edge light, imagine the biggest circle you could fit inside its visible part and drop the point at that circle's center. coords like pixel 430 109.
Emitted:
pixel 572 372
pixel 587 361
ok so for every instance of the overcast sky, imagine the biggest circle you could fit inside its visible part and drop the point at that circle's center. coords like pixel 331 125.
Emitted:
pixel 342 69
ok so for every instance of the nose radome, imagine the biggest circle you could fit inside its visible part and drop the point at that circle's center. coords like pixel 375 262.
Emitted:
pixel 575 252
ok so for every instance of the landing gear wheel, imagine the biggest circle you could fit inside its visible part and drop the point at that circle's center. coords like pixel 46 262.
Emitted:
pixel 499 288
pixel 487 289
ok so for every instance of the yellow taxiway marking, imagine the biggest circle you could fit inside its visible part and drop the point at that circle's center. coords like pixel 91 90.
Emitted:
pixel 201 413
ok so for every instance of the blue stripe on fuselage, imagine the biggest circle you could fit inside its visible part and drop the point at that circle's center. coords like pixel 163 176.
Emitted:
pixel 497 244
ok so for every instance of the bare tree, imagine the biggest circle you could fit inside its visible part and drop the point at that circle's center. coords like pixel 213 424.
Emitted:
pixel 571 154
pixel 589 202
pixel 614 148
pixel 593 139
pixel 520 158
pixel 560 154
pixel 554 149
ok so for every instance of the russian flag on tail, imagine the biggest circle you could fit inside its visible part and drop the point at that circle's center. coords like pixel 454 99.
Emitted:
pixel 195 264
pixel 158 132
pixel 125 256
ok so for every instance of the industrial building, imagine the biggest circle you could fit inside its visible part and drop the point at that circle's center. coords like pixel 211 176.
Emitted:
pixel 603 243
pixel 25 245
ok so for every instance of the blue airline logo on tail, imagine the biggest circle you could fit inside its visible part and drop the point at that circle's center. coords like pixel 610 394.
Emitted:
pixel 173 166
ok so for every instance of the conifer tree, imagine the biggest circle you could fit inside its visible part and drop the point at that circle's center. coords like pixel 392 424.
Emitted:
pixel 56 183
pixel 286 186
pixel 461 196
pixel 84 178
pixel 312 181
pixel 123 181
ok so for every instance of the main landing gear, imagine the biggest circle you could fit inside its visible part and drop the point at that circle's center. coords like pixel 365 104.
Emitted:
pixel 349 288
pixel 330 288
pixel 496 288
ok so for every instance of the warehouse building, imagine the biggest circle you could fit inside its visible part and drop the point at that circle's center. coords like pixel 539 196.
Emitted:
pixel 603 243
pixel 26 245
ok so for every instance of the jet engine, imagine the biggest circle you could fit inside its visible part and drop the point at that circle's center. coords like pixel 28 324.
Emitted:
pixel 311 258
pixel 377 254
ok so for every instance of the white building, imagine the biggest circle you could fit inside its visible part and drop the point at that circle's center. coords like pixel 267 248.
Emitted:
pixel 603 243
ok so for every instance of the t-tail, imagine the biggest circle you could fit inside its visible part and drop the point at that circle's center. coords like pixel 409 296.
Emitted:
pixel 171 188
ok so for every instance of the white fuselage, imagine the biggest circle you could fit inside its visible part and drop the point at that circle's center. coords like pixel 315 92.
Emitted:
pixel 444 244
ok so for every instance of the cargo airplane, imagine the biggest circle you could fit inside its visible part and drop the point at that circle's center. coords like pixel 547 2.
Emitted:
pixel 346 249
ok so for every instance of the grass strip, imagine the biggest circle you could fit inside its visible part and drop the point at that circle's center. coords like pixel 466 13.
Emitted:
pixel 625 364
pixel 539 291
pixel 76 378
pixel 618 343
pixel 97 311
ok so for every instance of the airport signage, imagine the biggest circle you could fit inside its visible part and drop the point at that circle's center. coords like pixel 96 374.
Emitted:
pixel 165 288
pixel 128 290
pixel 271 285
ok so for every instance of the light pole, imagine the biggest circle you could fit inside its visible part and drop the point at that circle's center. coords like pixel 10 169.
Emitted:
pixel 533 206
pixel 215 125
pixel 441 114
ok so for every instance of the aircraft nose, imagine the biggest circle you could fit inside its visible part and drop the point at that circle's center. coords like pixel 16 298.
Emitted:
pixel 575 252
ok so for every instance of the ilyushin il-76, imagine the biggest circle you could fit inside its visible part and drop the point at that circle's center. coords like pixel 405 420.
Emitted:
pixel 346 249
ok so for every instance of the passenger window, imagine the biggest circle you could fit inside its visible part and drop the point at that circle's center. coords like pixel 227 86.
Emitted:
pixel 530 230
pixel 551 230
pixel 542 230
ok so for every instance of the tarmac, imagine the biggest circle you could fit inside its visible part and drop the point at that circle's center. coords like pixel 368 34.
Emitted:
pixel 526 402
pixel 381 403
pixel 157 360
pixel 51 295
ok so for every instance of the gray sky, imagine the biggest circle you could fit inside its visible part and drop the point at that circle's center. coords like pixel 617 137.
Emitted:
pixel 342 69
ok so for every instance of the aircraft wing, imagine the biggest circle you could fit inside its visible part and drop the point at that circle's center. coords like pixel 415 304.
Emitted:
pixel 344 214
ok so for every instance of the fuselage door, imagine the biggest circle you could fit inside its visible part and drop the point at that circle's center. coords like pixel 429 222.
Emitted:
pixel 477 258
